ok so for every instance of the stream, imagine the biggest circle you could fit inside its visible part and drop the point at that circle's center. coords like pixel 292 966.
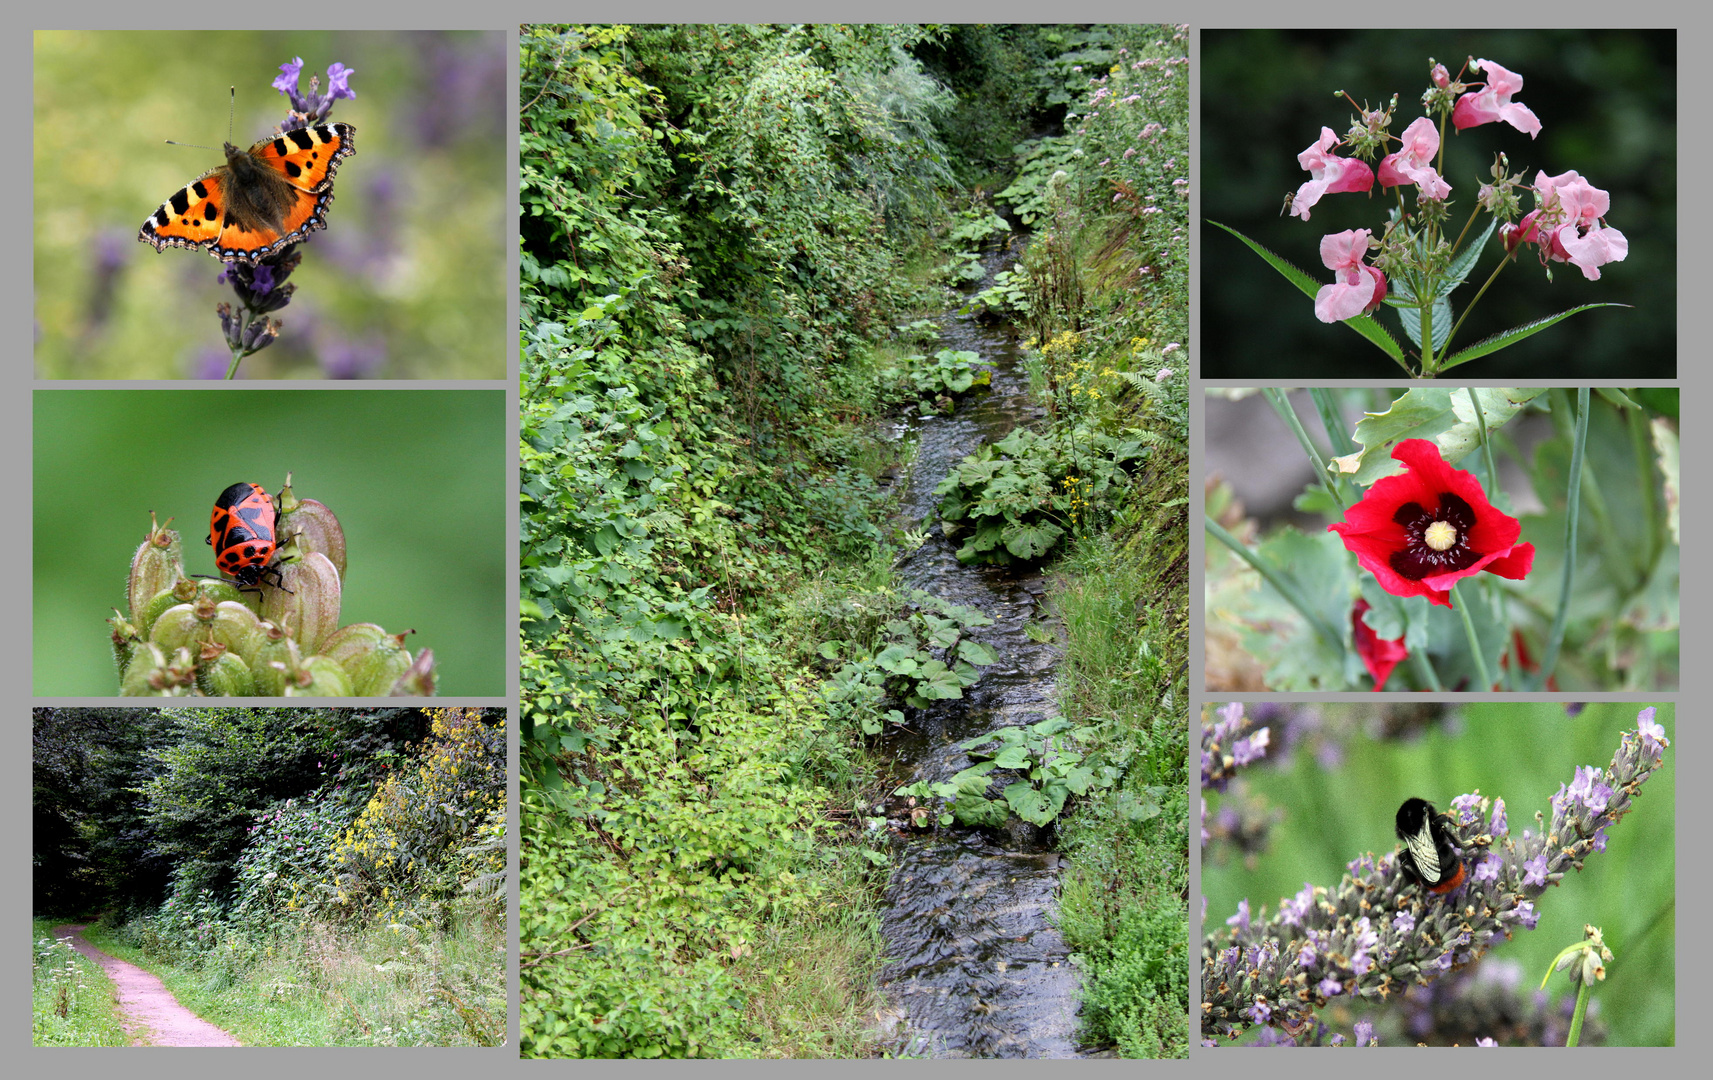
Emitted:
pixel 976 967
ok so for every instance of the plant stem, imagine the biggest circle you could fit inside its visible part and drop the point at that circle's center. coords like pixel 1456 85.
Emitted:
pixel 1494 276
pixel 1326 403
pixel 1282 406
pixel 1572 509
pixel 1486 443
pixel 1582 995
pixel 1474 641
pixel 1286 588
pixel 1425 672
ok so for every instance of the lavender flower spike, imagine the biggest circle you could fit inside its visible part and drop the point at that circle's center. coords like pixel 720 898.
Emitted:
pixel 1278 970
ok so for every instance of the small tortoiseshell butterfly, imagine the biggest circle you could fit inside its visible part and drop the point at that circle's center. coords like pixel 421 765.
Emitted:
pixel 273 194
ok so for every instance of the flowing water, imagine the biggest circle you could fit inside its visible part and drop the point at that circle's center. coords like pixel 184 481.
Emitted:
pixel 977 968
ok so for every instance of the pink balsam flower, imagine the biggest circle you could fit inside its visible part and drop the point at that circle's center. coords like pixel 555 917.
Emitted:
pixel 1493 102
pixel 1567 225
pixel 1412 163
pixel 1331 173
pixel 1357 288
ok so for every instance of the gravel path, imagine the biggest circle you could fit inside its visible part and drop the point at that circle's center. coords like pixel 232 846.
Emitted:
pixel 151 1015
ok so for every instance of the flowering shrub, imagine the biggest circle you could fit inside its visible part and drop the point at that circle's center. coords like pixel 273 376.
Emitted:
pixel 405 840
pixel 290 847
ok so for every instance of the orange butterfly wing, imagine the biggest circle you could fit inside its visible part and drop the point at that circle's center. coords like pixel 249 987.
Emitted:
pixel 264 198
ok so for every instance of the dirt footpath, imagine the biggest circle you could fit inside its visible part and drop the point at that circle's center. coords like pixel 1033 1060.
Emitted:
pixel 152 1016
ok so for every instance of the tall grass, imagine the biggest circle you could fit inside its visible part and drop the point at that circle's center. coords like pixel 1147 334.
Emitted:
pixel 318 983
pixel 71 998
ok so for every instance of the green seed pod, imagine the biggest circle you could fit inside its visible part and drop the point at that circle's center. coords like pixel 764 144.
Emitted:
pixel 307 605
pixel 125 642
pixel 418 679
pixel 236 627
pixel 222 673
pixel 157 566
pixel 220 590
pixel 375 674
pixel 151 674
pixel 311 527
pixel 319 677
pixel 138 680
pixel 276 655
pixel 205 622
pixel 176 627
pixel 182 593
pixel 350 645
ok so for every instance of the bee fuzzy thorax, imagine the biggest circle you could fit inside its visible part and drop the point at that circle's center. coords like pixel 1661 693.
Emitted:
pixel 1429 856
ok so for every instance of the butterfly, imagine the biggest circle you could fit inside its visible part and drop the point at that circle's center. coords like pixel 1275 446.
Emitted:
pixel 273 194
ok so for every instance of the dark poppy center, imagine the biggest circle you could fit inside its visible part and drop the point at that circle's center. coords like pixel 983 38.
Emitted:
pixel 1437 540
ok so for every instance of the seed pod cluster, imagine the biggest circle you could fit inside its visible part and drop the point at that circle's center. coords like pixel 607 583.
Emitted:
pixel 183 636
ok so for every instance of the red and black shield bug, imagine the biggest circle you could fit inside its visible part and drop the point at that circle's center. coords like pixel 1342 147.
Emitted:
pixel 243 533
pixel 1429 857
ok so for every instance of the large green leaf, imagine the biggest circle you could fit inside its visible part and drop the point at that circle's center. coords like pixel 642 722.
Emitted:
pixel 1030 539
pixel 976 652
pixel 1443 414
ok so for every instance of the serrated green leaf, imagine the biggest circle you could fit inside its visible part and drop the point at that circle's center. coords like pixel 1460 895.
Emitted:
pixel 1443 414
pixel 1030 539
pixel 1362 324
pixel 1511 337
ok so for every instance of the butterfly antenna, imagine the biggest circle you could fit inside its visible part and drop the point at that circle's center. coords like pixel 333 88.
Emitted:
pixel 231 109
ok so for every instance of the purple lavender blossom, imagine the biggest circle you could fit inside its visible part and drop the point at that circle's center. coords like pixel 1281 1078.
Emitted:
pixel 317 105
pixel 1377 933
pixel 1241 919
pixel 1652 735
pixel 1499 827
pixel 1534 870
pixel 1365 1034
pixel 1291 912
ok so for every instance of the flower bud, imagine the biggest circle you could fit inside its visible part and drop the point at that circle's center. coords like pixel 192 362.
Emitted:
pixel 307 605
pixel 1441 77
pixel 157 566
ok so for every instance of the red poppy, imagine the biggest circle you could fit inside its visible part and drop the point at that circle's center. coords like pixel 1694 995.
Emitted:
pixel 1423 530
pixel 1378 656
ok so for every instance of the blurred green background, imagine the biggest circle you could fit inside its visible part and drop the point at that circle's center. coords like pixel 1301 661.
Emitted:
pixel 419 480
pixel 1334 810
pixel 408 281
pixel 1607 103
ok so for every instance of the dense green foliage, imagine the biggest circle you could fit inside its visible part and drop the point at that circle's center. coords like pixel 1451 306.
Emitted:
pixel 232 845
pixel 722 228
